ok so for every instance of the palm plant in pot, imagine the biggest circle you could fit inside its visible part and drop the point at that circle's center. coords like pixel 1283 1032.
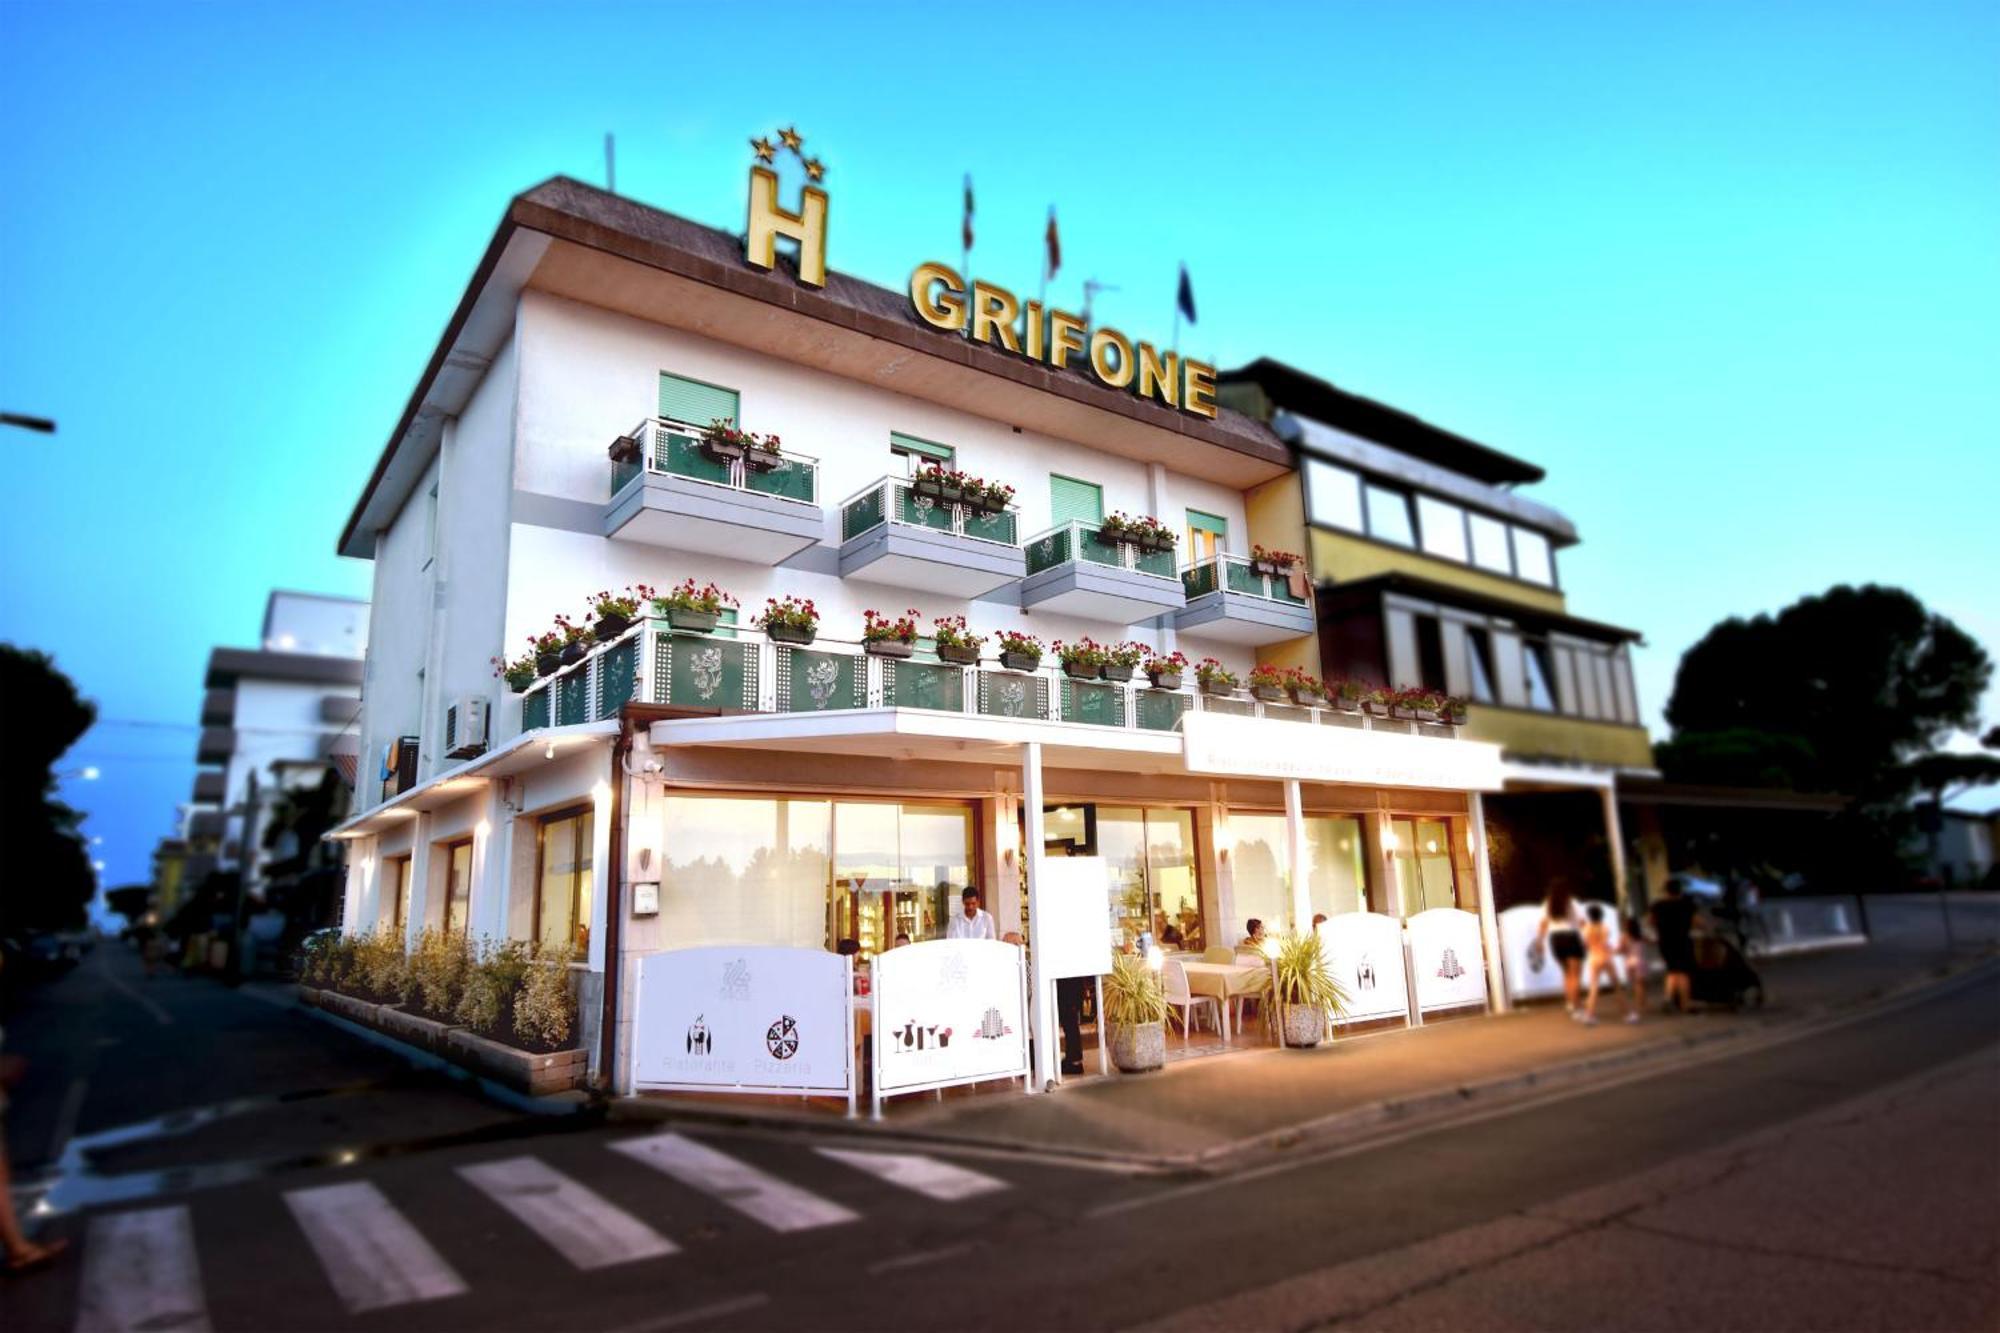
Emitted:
pixel 1122 661
pixel 889 638
pixel 693 608
pixel 1020 652
pixel 1135 1005
pixel 789 620
pixel 1165 671
pixel 955 643
pixel 1307 995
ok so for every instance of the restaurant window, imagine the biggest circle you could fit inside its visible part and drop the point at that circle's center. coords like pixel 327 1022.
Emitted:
pixel 1336 880
pixel 1442 527
pixel 457 884
pixel 1333 496
pixel 1149 860
pixel 1389 516
pixel 397 870
pixel 563 881
pixel 1533 560
pixel 1489 544
pixel 918 454
pixel 1479 663
pixel 1420 852
pixel 1536 672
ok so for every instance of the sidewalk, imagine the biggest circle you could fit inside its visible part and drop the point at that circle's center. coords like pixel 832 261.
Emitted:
pixel 1198 1111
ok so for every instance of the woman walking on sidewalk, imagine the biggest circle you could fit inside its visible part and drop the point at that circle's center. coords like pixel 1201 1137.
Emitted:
pixel 1561 933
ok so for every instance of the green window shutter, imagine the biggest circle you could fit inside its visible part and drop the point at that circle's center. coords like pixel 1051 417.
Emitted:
pixel 1071 499
pixel 694 402
pixel 924 449
pixel 1201 522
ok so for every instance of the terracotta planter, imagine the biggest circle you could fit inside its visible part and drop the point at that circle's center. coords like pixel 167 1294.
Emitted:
pixel 888 648
pixel 610 627
pixel 1112 671
pixel 1136 1049
pixel 958 656
pixel 797 634
pixel 1021 661
pixel 1165 680
pixel 1305 1024
pixel 1077 671
pixel 701 622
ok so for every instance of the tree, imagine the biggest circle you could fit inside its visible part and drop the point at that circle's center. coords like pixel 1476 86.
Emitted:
pixel 130 901
pixel 49 881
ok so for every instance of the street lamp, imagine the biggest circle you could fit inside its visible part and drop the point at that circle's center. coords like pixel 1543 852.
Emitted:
pixel 88 773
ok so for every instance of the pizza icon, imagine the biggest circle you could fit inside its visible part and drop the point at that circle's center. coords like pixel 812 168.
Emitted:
pixel 782 1038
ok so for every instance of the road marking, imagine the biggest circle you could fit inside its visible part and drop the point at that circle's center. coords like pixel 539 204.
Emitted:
pixel 777 1205
pixel 919 1259
pixel 146 1002
pixel 139 1272
pixel 925 1175
pixel 713 1310
pixel 372 1255
pixel 585 1228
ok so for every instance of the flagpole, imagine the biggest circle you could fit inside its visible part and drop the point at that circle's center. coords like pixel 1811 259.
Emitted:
pixel 1176 344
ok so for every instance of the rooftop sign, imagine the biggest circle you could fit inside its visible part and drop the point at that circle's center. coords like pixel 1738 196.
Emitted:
pixel 1251 747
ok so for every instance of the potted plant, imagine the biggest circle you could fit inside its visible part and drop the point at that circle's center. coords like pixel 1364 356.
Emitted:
pixel 1416 703
pixel 1135 1006
pixel 954 642
pixel 576 640
pixel 546 648
pixel 1271 563
pixel 1082 660
pixel 722 442
pixel 1306 993
pixel 1020 652
pixel 1214 678
pixel 1165 672
pixel 1149 534
pixel 1378 699
pixel 991 497
pixel 889 638
pixel 1267 683
pixel 519 673
pixel 762 454
pixel 615 612
pixel 625 449
pixel 1305 689
pixel 1114 528
pixel 1455 709
pixel 1346 695
pixel 1122 661
pixel 688 607
pixel 791 620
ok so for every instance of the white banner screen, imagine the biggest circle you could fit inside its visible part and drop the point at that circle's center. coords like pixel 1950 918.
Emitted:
pixel 745 1019
pixel 1450 965
pixel 948 1011
pixel 1365 953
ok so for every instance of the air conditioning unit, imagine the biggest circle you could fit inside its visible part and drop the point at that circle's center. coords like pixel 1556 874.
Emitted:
pixel 465 728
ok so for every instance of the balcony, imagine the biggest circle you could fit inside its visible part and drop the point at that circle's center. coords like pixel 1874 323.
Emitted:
pixel 673 494
pixel 210 786
pixel 1230 600
pixel 215 746
pixel 741 671
pixel 218 708
pixel 1073 570
pixel 893 535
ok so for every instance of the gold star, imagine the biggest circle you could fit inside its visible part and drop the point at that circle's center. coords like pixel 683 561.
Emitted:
pixel 814 168
pixel 792 138
pixel 766 150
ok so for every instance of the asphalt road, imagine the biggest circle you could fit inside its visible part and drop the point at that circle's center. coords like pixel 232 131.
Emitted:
pixel 1632 1205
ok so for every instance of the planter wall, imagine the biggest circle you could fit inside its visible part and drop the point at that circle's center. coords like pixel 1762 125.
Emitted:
pixel 524 1071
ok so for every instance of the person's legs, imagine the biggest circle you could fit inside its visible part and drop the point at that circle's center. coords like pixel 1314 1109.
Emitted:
pixel 1069 1004
pixel 20 1251
pixel 1572 982
pixel 1637 967
pixel 1590 1002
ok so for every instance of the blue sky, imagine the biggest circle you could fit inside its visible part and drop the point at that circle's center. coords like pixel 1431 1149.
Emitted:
pixel 1729 271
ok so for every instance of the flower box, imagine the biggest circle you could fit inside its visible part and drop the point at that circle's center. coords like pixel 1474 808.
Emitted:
pixel 957 655
pixel 1220 689
pixel 547 663
pixel 1270 694
pixel 1082 671
pixel 798 634
pixel 610 627
pixel 537 1074
pixel 762 460
pixel 983 503
pixel 424 1033
pixel 1165 680
pixel 624 449
pixel 574 651
pixel 888 647
pixel 720 451
pixel 1112 671
pixel 1270 569
pixel 686 618
pixel 1112 534
pixel 1021 661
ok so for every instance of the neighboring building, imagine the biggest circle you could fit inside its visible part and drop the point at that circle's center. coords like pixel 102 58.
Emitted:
pixel 1432 569
pixel 1960 856
pixel 789 795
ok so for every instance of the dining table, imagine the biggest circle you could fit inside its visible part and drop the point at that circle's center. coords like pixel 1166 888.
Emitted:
pixel 1226 982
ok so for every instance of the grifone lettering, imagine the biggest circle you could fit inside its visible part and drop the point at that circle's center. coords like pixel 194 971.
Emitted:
pixel 939 296
pixel 1034 329
pixel 1065 336
pixel 1102 344
pixel 1159 377
pixel 994 311
pixel 1198 387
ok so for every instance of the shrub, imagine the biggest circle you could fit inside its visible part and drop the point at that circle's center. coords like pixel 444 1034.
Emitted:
pixel 490 982
pixel 380 971
pixel 544 1010
pixel 437 970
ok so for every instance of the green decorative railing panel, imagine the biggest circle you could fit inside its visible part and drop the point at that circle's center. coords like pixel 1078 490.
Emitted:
pixel 792 479
pixel 1011 694
pixel 1098 551
pixel 1160 710
pixel 623 475
pixel 1000 527
pixel 861 513
pixel 923 685
pixel 535 710
pixel 617 677
pixel 921 511
pixel 682 456
pixel 810 682
pixel 1244 579
pixel 1050 550
pixel 1097 705
pixel 1199 581
pixel 573 698
pixel 1154 562
pixel 700 671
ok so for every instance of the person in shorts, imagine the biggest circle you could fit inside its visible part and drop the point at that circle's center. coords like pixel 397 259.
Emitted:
pixel 1561 932
pixel 1673 934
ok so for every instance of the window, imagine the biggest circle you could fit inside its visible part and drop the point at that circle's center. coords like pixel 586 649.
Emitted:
pixel 695 403
pixel 1489 544
pixel 917 454
pixel 1420 851
pixel 1336 881
pixel 1532 558
pixel 1479 663
pixel 1430 653
pixel 1389 515
pixel 1442 527
pixel 1072 499
pixel 457 884
pixel 1536 673
pixel 563 881
pixel 1149 859
pixel 396 872
pixel 1333 496
pixel 1207 535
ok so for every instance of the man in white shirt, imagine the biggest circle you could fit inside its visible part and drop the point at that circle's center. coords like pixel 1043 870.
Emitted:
pixel 974 923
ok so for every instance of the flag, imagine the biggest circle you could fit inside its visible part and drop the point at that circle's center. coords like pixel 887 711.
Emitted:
pixel 967 232
pixel 1186 298
pixel 1055 244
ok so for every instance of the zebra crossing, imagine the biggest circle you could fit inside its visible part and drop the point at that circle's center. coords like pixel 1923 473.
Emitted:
pixel 140 1268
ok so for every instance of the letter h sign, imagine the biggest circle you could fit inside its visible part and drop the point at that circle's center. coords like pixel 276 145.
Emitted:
pixel 769 220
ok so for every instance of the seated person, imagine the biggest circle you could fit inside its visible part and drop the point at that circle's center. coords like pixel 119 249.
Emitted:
pixel 847 948
pixel 1253 936
pixel 902 938
pixel 1170 938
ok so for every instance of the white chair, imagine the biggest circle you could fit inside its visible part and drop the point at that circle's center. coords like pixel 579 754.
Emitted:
pixel 1173 980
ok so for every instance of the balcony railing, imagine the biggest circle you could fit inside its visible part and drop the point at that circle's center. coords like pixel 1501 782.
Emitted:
pixel 1078 541
pixel 741 670
pixel 1236 574
pixel 674 449
pixel 896 500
